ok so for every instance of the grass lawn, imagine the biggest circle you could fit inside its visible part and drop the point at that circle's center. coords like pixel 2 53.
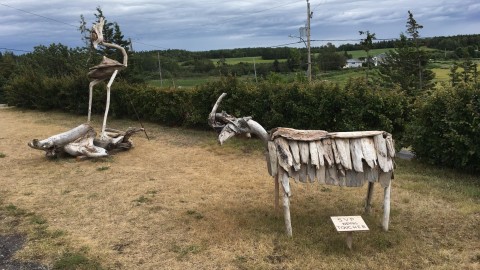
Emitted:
pixel 181 201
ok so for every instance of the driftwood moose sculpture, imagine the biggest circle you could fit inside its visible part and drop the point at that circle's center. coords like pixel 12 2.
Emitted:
pixel 82 141
pixel 340 158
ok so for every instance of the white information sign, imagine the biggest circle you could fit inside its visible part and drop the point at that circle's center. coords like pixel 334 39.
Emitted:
pixel 349 223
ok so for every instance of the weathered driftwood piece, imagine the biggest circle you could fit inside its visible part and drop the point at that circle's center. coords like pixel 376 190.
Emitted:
pixel 340 158
pixel 81 141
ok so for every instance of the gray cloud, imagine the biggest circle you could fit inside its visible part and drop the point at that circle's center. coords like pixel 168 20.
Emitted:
pixel 204 25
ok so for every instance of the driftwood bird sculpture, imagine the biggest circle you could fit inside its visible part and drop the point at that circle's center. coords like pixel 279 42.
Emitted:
pixel 340 158
pixel 108 68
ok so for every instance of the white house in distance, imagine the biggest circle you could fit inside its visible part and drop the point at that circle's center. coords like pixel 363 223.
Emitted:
pixel 356 63
pixel 377 60
pixel 353 63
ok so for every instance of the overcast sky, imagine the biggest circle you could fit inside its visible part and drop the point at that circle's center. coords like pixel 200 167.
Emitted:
pixel 200 25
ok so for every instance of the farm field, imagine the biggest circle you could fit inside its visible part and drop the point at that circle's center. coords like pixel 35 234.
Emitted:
pixel 250 60
pixel 180 201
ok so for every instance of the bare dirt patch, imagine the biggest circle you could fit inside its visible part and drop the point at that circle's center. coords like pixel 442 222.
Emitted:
pixel 179 201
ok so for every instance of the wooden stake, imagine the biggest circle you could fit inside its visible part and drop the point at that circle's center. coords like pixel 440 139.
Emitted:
pixel 349 240
pixel 286 214
pixel 368 202
pixel 277 194
pixel 386 207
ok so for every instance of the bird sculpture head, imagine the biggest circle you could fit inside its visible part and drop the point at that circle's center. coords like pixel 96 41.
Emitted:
pixel 96 34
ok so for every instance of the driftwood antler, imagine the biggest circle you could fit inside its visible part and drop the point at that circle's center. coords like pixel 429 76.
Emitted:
pixel 228 125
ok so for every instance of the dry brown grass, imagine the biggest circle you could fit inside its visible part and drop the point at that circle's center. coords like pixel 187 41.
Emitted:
pixel 179 201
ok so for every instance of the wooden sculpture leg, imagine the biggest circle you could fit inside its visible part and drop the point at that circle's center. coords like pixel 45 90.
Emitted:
pixel 90 94
pixel 386 207
pixel 107 106
pixel 286 206
pixel 368 201
pixel 277 193
pixel 286 214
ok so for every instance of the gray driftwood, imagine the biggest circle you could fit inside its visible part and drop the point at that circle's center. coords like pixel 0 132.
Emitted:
pixel 82 141
pixel 335 158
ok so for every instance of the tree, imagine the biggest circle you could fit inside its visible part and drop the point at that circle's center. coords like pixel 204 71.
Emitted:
pixel 454 74
pixel 407 64
pixel 293 60
pixel 329 59
pixel 367 44
pixel 412 30
pixel 7 67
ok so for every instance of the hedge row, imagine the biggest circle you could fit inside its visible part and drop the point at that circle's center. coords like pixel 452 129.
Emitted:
pixel 445 129
pixel 322 105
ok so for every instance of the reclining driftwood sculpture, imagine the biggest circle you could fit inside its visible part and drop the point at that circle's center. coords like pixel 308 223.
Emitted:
pixel 341 158
pixel 82 141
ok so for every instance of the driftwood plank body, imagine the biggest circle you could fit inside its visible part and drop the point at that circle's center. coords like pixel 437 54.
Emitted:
pixel 345 159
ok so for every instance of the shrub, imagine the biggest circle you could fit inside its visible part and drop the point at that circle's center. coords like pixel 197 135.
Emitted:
pixel 445 129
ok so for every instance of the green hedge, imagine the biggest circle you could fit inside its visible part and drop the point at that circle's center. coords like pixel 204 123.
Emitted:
pixel 320 105
pixel 445 129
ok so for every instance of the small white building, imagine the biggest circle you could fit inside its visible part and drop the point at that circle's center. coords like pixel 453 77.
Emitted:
pixel 379 59
pixel 353 63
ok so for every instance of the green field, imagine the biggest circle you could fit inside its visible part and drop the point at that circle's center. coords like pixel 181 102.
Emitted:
pixel 440 68
pixel 361 53
pixel 237 60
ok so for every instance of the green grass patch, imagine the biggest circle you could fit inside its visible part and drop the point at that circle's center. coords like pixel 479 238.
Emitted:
pixel 249 60
pixel 142 199
pixel 443 182
pixel 44 243
pixel 362 53
pixel 195 214
pixel 342 76
pixel 76 261
pixel 2 155
pixel 103 168
pixel 184 251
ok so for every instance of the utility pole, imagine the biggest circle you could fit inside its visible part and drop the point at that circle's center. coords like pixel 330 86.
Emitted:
pixel 255 69
pixel 159 68
pixel 309 59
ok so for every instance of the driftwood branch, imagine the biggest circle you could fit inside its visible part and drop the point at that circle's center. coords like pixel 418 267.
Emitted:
pixel 82 141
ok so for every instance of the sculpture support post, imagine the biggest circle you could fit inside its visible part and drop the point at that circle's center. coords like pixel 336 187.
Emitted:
pixel 90 96
pixel 277 193
pixel 286 202
pixel 107 107
pixel 368 201
pixel 286 214
pixel 386 207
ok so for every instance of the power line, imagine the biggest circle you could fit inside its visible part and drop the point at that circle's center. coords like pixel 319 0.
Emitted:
pixel 39 15
pixel 283 45
pixel 16 50
pixel 136 40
